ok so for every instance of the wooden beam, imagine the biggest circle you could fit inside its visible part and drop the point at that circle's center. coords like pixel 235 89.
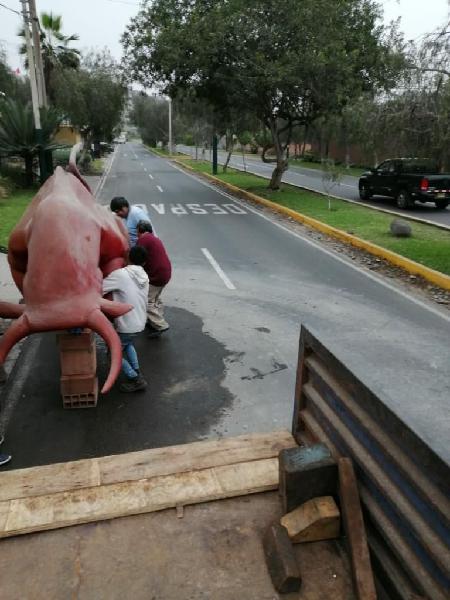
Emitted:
pixel 62 509
pixel 51 479
pixel 355 532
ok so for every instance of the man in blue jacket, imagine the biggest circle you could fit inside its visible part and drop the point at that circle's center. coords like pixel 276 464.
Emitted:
pixel 132 215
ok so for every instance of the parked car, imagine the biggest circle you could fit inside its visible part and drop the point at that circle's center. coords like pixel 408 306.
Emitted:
pixel 407 180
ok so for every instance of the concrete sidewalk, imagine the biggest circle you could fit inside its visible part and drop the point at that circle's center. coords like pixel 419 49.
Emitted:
pixel 8 293
pixel 8 289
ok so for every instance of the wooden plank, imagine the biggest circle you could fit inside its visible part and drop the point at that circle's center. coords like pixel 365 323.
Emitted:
pixel 62 509
pixel 197 455
pixel 50 479
pixel 355 531
pixel 281 561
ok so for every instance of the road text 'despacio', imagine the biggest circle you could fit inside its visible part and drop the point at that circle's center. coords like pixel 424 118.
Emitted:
pixel 162 208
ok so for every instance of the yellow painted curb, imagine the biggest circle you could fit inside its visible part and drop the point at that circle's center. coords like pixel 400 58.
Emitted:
pixel 415 268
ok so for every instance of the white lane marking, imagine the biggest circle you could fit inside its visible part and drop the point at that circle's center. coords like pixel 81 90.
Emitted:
pixel 99 188
pixel 150 175
pixel 215 265
pixel 376 278
pixel 159 188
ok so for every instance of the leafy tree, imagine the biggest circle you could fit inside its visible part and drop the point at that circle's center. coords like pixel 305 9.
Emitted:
pixel 11 85
pixel 56 52
pixel 17 132
pixel 194 116
pixel 150 114
pixel 287 61
pixel 92 97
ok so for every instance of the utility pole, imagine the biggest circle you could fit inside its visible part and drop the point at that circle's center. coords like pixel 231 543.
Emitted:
pixel 38 54
pixel 35 95
pixel 40 78
pixel 170 125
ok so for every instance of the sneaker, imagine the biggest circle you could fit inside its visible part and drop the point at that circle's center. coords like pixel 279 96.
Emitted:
pixel 137 384
pixel 157 332
pixel 5 458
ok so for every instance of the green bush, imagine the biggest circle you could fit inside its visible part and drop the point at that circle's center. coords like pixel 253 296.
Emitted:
pixel 84 162
pixel 61 157
pixel 14 170
pixel 7 186
pixel 188 139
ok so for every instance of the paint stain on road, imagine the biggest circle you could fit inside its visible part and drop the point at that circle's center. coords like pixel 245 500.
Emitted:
pixel 258 374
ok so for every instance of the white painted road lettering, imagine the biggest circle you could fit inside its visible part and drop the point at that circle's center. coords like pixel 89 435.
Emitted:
pixel 193 208
pixel 216 209
pixel 196 209
pixel 178 209
pixel 218 269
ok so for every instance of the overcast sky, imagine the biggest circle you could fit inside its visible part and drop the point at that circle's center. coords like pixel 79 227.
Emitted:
pixel 100 22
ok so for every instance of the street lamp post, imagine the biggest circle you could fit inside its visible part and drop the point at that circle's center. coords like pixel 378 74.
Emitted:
pixel 170 126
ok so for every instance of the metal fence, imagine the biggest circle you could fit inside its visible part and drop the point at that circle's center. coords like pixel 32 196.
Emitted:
pixel 404 485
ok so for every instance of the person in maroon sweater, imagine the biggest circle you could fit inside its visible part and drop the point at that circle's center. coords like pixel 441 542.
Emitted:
pixel 159 271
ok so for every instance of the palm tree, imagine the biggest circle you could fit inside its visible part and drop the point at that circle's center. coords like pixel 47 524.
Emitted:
pixel 56 52
pixel 18 136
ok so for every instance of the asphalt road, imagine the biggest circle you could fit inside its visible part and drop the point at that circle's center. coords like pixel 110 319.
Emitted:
pixel 242 285
pixel 312 179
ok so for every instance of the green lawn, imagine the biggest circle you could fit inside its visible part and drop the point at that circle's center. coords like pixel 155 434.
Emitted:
pixel 428 245
pixel 96 167
pixel 11 210
pixel 354 171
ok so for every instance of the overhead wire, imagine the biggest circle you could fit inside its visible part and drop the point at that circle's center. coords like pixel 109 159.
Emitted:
pixel 10 9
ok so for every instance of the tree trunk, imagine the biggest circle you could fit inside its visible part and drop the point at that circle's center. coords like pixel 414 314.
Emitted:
pixel 230 152
pixel 282 154
pixel 305 136
pixel 28 169
pixel 275 181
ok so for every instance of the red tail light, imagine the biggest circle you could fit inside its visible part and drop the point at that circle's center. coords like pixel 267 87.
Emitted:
pixel 424 185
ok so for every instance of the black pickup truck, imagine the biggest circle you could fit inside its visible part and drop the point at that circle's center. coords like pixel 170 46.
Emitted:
pixel 407 180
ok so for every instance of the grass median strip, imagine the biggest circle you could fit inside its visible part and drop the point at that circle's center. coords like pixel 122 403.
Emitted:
pixel 428 245
pixel 11 209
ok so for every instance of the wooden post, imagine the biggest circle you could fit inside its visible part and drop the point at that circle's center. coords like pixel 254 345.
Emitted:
pixel 355 532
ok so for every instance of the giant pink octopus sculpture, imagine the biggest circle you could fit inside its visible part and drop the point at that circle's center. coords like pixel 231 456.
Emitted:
pixel 58 253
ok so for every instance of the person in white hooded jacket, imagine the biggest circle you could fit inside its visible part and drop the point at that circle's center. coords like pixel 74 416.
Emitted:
pixel 130 285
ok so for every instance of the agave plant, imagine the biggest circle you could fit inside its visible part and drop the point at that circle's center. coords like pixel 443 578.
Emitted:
pixel 18 135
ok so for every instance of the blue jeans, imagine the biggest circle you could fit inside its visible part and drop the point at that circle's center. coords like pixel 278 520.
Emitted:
pixel 130 363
